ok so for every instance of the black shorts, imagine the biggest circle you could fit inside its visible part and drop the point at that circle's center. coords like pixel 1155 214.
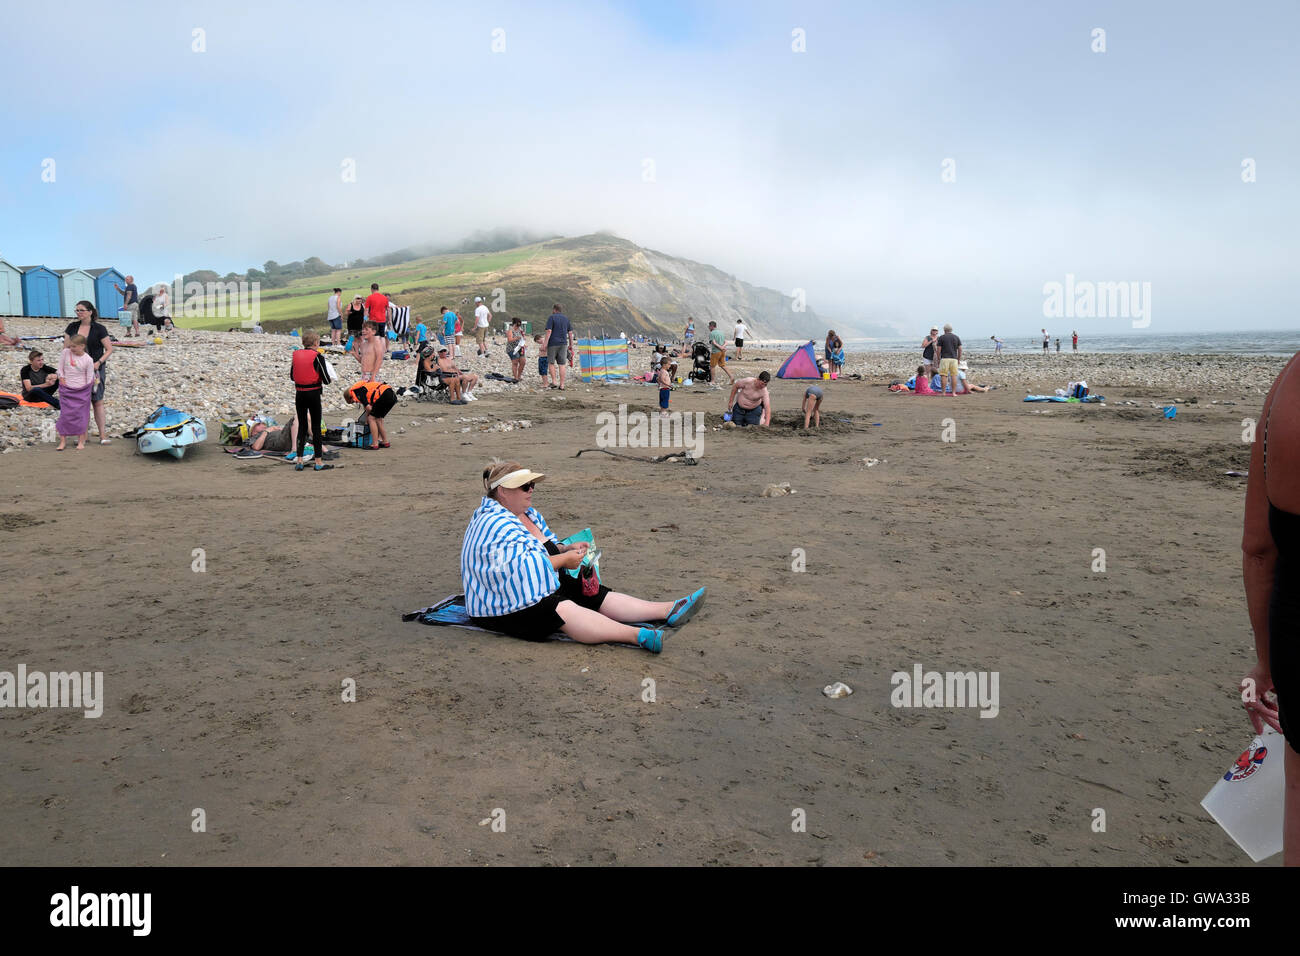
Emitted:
pixel 539 621
pixel 740 343
pixel 381 332
pixel 383 404
pixel 1283 619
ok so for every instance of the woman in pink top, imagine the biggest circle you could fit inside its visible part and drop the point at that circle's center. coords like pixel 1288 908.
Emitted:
pixel 76 385
pixel 923 382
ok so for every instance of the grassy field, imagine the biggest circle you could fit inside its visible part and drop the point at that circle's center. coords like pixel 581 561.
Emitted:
pixel 418 283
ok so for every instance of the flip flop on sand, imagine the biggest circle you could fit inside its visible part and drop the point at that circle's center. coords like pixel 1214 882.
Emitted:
pixel 685 609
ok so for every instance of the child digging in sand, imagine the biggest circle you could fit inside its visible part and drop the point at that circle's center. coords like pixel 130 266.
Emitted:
pixel 812 405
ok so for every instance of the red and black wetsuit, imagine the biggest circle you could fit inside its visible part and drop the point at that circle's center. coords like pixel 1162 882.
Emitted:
pixel 308 373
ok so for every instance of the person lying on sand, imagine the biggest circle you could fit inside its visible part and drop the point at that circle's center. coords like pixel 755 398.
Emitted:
pixel 263 437
pixel 1271 572
pixel 509 564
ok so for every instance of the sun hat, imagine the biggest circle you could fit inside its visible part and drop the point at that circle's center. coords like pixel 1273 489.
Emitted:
pixel 963 366
pixel 478 298
pixel 517 478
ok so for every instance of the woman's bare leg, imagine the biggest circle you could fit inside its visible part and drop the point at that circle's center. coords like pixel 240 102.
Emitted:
pixel 624 607
pixel 592 627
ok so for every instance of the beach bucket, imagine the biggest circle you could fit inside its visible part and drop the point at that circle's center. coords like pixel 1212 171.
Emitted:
pixel 124 318
pixel 1171 411
pixel 1247 800
pixel 826 376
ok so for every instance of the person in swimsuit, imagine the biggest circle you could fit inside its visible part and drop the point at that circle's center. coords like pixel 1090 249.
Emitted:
pixel 812 405
pixel 1271 572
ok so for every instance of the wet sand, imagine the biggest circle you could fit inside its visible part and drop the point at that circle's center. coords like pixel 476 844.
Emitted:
pixel 223 688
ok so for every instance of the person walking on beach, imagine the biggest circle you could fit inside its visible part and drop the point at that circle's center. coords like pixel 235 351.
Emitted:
pixel 750 403
pixel 482 320
pixel 370 353
pixel 1271 574
pixel 1058 346
pixel 997 345
pixel 738 336
pixel 334 315
pixel 949 355
pixel 130 303
pixel 1074 336
pixel 927 350
pixel 446 329
pixel 556 341
pixel 99 346
pixel 1047 341
pixel 377 311
pixel 718 352
pixel 690 333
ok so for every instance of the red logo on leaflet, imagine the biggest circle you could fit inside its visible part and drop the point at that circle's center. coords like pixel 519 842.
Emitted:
pixel 1247 763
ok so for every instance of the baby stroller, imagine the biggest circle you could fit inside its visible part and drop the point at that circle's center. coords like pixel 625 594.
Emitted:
pixel 429 386
pixel 700 371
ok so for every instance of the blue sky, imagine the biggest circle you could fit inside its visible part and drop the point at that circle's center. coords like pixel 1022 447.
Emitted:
pixel 818 170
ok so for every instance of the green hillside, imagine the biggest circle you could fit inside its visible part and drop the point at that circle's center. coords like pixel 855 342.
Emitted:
pixel 533 278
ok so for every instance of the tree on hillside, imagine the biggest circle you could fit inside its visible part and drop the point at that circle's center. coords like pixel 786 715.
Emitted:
pixel 256 275
pixel 201 276
pixel 315 266
pixel 271 267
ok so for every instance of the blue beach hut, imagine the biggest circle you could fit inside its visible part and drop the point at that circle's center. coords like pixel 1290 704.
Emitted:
pixel 40 291
pixel 107 299
pixel 11 289
pixel 75 285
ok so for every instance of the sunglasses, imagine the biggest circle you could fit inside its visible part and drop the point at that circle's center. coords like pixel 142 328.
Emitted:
pixel 527 487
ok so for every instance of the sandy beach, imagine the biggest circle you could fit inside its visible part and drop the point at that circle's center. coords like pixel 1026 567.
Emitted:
pixel 223 688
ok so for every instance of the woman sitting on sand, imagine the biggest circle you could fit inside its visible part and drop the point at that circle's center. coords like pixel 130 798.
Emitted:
pixel 509 564
pixel 1271 570
pixel 964 384
pixel 923 382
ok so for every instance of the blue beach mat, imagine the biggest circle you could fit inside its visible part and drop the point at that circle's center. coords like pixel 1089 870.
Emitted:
pixel 450 612
pixel 1091 399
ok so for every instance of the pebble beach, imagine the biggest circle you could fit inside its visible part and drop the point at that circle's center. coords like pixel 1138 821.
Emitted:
pixel 222 376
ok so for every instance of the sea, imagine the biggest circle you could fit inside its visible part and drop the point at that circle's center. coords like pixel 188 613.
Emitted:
pixel 1262 342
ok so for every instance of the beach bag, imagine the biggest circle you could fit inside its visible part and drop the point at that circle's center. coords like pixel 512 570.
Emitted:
pixel 356 434
pixel 234 433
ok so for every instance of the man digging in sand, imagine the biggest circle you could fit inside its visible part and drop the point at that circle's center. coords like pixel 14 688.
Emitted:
pixel 750 403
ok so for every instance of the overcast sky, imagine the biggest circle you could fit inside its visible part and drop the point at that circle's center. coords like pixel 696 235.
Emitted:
pixel 820 170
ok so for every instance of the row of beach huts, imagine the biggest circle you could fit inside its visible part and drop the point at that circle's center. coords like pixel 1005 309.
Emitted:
pixel 36 291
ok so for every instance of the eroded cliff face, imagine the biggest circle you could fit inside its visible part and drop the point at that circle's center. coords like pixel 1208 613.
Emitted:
pixel 668 290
